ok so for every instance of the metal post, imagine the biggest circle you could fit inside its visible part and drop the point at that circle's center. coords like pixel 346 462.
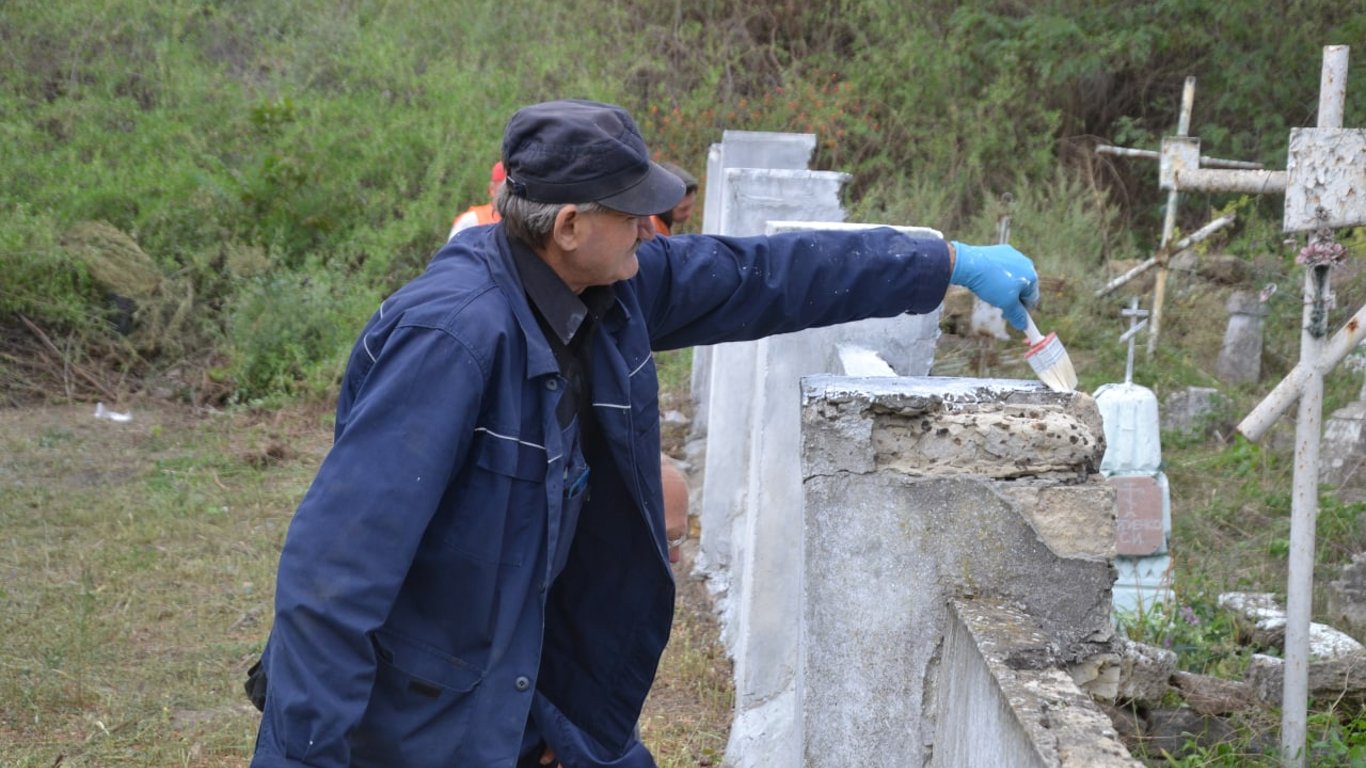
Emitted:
pixel 1303 515
pixel 1305 500
pixel 1169 222
pixel 1205 160
pixel 1135 325
pixel 1248 182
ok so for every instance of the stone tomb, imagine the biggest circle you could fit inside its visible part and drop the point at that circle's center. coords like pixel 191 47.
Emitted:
pixel 957 546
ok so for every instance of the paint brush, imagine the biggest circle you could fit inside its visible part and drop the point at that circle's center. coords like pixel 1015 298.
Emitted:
pixel 1049 359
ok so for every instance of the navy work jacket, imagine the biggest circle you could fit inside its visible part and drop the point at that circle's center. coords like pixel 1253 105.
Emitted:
pixel 415 623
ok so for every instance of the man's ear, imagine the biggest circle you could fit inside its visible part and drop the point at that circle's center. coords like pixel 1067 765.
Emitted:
pixel 568 229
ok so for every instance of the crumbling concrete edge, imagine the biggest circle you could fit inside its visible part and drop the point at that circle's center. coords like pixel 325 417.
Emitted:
pixel 1062 722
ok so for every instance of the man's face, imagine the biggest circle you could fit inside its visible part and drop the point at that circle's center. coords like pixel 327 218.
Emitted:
pixel 683 211
pixel 607 251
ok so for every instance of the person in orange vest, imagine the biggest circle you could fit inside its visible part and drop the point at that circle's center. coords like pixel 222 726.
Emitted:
pixel 678 215
pixel 482 214
pixel 675 505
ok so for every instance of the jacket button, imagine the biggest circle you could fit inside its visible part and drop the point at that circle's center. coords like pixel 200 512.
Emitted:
pixel 552 384
pixel 521 683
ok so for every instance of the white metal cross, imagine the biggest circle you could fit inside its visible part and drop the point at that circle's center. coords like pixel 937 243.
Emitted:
pixel 1135 325
pixel 1169 219
pixel 1325 172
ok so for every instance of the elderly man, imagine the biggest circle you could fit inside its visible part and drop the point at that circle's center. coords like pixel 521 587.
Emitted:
pixel 478 575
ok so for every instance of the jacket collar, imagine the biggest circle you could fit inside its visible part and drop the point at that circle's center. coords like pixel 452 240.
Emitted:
pixel 563 311
pixel 540 359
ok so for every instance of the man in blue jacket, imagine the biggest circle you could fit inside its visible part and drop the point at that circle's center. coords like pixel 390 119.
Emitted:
pixel 479 576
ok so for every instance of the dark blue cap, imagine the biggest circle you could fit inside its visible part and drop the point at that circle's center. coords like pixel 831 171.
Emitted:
pixel 576 151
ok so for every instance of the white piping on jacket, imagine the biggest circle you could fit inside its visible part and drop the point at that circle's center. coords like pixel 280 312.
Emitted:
pixel 491 433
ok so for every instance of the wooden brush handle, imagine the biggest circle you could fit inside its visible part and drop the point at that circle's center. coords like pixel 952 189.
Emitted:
pixel 1032 330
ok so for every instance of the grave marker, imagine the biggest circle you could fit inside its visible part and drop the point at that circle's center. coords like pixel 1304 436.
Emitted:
pixel 1322 166
pixel 1170 145
pixel 1132 465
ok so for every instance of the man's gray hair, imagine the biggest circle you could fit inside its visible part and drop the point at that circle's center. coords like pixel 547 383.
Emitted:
pixel 530 221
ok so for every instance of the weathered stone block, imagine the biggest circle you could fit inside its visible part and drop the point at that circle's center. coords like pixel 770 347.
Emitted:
pixel 1073 520
pixel 1196 411
pixel 1264 618
pixel 1343 451
pixel 941 426
pixel 1145 672
pixel 1347 597
pixel 1341 680
pixel 1211 695
pixel 1098 675
pixel 1240 358
pixel 889 538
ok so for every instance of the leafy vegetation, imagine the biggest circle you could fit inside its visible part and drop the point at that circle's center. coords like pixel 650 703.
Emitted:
pixel 205 199
pixel 329 145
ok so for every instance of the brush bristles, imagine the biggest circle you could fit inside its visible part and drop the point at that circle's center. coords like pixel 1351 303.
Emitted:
pixel 1059 378
pixel 1051 364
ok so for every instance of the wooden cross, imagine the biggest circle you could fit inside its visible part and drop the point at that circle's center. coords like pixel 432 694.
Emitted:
pixel 1169 219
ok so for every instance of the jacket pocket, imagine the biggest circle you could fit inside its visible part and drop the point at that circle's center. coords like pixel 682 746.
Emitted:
pixel 508 455
pixel 498 502
pixel 421 706
pixel 419 662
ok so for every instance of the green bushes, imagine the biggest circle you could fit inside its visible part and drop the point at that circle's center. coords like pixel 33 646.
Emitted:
pixel 289 334
pixel 40 280
pixel 335 142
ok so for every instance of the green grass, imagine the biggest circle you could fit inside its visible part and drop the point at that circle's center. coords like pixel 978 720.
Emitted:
pixel 137 572
pixel 138 565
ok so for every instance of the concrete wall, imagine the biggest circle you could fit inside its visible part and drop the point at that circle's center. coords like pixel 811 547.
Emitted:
pixel 751 198
pixel 765 585
pixel 751 542
pixel 918 491
pixel 913 491
pixel 738 149
pixel 1001 700
pixel 746 428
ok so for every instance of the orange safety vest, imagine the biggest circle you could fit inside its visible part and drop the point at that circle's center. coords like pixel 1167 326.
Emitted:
pixel 484 214
pixel 660 227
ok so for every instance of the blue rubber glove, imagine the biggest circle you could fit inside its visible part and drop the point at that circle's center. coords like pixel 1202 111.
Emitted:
pixel 999 275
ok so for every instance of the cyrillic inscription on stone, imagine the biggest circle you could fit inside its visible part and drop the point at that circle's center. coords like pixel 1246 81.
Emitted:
pixel 1138 523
